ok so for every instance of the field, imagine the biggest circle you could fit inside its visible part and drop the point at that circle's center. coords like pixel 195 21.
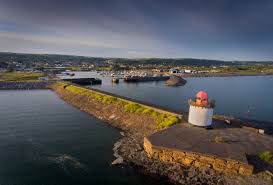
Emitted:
pixel 19 76
pixel 239 70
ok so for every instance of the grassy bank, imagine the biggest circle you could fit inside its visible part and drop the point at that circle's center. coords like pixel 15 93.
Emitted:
pixel 162 120
pixel 19 76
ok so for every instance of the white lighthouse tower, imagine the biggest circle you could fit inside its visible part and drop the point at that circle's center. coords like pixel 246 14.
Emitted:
pixel 201 110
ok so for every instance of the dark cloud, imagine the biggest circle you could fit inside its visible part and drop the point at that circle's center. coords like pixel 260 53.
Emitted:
pixel 226 29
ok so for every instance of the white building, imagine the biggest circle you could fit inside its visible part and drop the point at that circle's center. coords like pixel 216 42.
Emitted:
pixel 188 71
pixel 201 110
pixel 43 78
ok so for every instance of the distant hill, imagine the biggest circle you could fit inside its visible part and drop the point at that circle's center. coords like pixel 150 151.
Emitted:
pixel 50 58
pixel 53 58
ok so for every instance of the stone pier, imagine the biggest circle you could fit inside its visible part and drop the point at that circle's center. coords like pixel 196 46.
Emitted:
pixel 223 148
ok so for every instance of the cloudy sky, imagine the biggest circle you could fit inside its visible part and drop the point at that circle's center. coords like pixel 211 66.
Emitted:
pixel 212 29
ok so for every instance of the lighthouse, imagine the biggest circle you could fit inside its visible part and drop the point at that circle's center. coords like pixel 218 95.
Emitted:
pixel 201 110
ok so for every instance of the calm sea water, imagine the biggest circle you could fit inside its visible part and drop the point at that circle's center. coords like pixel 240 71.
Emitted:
pixel 45 141
pixel 249 97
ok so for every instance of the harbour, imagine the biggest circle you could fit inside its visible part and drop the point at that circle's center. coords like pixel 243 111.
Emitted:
pixel 237 90
pixel 120 110
pixel 136 92
pixel 125 115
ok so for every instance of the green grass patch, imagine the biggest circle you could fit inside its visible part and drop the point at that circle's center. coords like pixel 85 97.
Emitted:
pixel 165 120
pixel 266 156
pixel 162 120
pixel 20 76
pixel 105 99
pixel 97 96
pixel 133 108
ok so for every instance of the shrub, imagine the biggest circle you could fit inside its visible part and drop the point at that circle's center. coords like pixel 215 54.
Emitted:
pixel 167 121
pixel 147 111
pixel 133 108
pixel 99 97
pixel 109 100
pixel 266 156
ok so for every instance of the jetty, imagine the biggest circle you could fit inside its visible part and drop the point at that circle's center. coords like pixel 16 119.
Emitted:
pixel 145 78
pixel 171 144
pixel 83 81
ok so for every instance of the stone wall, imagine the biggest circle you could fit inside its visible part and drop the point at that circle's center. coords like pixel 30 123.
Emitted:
pixel 24 85
pixel 196 159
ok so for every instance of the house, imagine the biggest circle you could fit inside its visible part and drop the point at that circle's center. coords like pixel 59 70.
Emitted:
pixel 43 78
pixel 174 70
pixel 188 71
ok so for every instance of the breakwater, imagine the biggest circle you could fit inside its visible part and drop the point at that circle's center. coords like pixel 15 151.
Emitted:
pixel 84 81
pixel 135 121
pixel 24 85
pixel 145 78
pixel 85 97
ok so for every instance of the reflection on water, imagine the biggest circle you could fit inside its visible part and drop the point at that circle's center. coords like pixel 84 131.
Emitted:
pixel 46 141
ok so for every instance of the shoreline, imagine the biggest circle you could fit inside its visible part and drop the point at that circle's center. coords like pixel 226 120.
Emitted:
pixel 224 75
pixel 134 127
pixel 130 147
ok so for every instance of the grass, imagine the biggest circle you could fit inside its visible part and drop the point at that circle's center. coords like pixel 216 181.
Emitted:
pixel 266 156
pixel 162 120
pixel 19 76
pixel 105 99
pixel 242 69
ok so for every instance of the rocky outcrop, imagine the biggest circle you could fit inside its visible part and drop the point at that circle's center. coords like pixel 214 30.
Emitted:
pixel 176 81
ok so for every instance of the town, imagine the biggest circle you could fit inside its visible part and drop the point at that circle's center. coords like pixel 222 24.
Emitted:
pixel 54 64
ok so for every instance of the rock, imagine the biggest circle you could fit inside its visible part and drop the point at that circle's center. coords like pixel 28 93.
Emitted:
pixel 112 116
pixel 116 146
pixel 119 160
pixel 122 134
pixel 176 81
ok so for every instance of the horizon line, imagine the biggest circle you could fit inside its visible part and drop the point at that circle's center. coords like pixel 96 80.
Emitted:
pixel 136 58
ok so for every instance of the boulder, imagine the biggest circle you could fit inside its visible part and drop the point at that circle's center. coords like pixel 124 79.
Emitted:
pixel 176 81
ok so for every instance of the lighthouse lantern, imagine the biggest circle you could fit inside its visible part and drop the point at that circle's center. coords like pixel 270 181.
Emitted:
pixel 201 110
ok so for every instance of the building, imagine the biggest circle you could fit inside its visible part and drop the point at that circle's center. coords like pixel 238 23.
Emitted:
pixel 174 71
pixel 43 78
pixel 201 110
pixel 188 71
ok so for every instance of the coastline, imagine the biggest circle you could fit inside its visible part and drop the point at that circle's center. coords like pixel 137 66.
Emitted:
pixel 135 126
pixel 129 148
pixel 224 75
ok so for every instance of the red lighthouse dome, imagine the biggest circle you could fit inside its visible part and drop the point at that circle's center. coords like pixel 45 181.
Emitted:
pixel 202 98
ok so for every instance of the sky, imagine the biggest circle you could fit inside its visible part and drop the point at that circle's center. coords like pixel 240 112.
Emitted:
pixel 208 29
